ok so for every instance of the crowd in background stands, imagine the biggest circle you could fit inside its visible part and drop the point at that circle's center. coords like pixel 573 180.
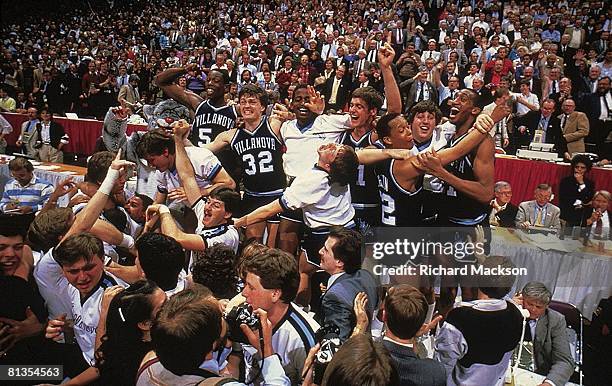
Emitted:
pixel 80 60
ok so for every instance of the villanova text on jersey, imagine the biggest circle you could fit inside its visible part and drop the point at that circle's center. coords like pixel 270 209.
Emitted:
pixel 210 121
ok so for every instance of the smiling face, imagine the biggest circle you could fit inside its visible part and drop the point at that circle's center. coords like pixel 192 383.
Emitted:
pixel 215 213
pixel 215 87
pixel 11 253
pixel 298 106
pixel 463 108
pixel 329 263
pixel 422 126
pixel 135 209
pixel 400 135
pixel 361 114
pixel 84 275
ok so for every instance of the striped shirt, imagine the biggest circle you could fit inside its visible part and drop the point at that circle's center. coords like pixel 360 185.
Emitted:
pixel 292 338
pixel 35 194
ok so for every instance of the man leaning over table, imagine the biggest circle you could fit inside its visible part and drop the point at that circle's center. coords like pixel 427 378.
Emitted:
pixel 25 193
pixel 539 212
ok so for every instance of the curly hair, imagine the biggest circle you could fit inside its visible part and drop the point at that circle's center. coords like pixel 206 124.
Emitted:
pixel 215 268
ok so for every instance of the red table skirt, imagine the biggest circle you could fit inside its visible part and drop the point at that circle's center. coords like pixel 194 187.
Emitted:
pixel 83 132
pixel 525 175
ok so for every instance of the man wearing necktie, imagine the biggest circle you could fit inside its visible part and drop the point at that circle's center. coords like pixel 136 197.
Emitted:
pixel 27 130
pixel 399 38
pixel 574 127
pixel 599 109
pixel 541 122
pixel 598 219
pixel 539 212
pixel 546 328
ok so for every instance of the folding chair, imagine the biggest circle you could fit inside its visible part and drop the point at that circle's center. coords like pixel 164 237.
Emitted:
pixel 574 321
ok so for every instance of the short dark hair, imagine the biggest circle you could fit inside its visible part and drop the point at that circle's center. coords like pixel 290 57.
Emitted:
pixel 405 309
pixel 370 96
pixel 161 257
pixel 501 92
pixel 154 142
pixel 98 165
pixel 344 168
pixel 277 270
pixel 146 200
pixel 361 361
pixel 76 247
pixel 20 163
pixel 299 87
pixel 347 247
pixel 255 91
pixel 229 197
pixel 185 329
pixel 424 107
pixel 48 228
pixel 215 268
pixel 496 286
pixel 383 127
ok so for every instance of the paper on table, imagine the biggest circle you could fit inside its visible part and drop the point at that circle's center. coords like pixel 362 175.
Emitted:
pixel 68 172
pixel 47 167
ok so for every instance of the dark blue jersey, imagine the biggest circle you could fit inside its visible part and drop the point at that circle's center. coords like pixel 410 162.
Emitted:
pixel 260 154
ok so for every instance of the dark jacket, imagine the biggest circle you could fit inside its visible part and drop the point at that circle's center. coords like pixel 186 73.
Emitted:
pixel 412 370
pixel 531 120
pixel 56 132
pixel 506 217
pixel 337 303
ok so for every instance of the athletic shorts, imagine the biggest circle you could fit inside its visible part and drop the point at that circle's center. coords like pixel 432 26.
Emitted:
pixel 366 219
pixel 250 203
pixel 295 215
pixel 314 239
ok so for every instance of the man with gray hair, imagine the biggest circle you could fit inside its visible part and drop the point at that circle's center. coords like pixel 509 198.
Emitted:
pixel 540 212
pixel 503 212
pixel 547 330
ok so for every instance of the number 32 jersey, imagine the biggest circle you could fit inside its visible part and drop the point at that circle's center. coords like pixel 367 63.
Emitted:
pixel 260 153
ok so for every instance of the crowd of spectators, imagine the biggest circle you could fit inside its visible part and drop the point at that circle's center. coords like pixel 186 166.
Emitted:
pixel 384 98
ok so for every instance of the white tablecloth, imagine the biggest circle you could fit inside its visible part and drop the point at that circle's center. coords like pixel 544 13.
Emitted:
pixel 51 176
pixel 579 278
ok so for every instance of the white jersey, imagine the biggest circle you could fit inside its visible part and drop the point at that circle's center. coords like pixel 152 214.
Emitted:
pixel 302 146
pixel 86 314
pixel 205 164
pixel 292 339
pixel 323 204
pixel 53 286
pixel 221 234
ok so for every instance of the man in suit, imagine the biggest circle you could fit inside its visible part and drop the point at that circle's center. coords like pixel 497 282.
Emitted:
pixel 360 64
pixel 574 127
pixel 404 313
pixel 418 89
pixel 544 123
pixel 49 138
pixel 28 129
pixel 599 106
pixel 341 258
pixel 337 90
pixel 399 37
pixel 546 328
pixel 503 212
pixel 539 212
pixel 460 53
pixel 128 94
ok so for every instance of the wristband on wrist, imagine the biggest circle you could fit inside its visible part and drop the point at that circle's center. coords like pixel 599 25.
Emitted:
pixel 163 209
pixel 107 185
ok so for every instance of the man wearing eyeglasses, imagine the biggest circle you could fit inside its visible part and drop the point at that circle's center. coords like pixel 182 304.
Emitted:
pixel 503 212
